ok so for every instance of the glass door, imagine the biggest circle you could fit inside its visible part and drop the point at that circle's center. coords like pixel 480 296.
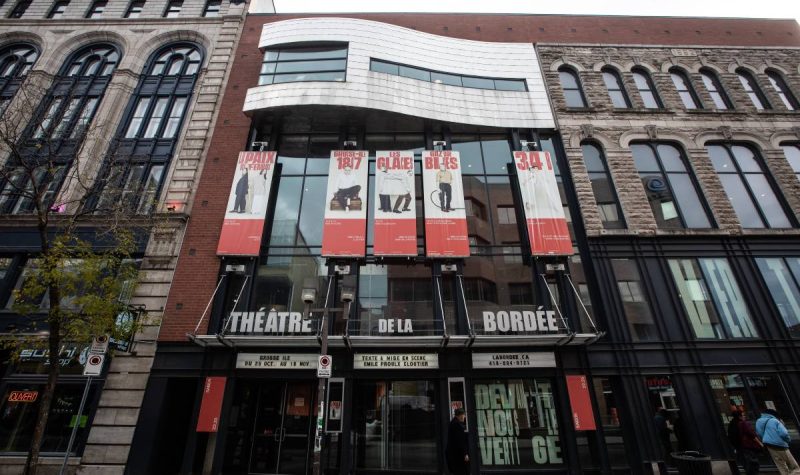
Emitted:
pixel 395 425
pixel 282 431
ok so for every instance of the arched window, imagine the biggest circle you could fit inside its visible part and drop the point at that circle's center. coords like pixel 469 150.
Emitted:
pixel 753 90
pixel 685 89
pixel 604 192
pixel 748 188
pixel 15 62
pixel 146 139
pixel 616 90
pixel 647 90
pixel 780 86
pixel 573 93
pixel 670 186
pixel 714 87
pixel 792 153
pixel 54 135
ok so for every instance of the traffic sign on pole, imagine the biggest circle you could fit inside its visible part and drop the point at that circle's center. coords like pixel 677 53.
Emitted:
pixel 324 366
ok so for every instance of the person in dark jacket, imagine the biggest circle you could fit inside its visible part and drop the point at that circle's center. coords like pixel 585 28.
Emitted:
pixel 457 450
pixel 751 447
pixel 663 430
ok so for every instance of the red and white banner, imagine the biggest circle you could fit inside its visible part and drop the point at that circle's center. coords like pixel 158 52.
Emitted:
pixel 344 233
pixel 547 225
pixel 580 402
pixel 211 404
pixel 395 204
pixel 445 216
pixel 247 205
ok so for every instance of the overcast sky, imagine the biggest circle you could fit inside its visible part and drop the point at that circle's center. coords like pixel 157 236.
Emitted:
pixel 713 8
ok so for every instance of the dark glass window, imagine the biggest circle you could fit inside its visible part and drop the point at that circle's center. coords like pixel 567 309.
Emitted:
pixel 792 153
pixel 304 63
pixel 647 90
pixel 603 187
pixel 19 9
pixel 173 9
pixel 15 62
pixel 782 276
pixel 146 140
pixel 58 9
pixel 450 79
pixel 616 90
pixel 212 8
pixel 711 298
pixel 97 9
pixel 752 89
pixel 606 393
pixel 134 9
pixel 685 89
pixel 635 303
pixel 779 84
pixel 570 84
pixel 670 186
pixel 53 137
pixel 714 87
pixel 748 188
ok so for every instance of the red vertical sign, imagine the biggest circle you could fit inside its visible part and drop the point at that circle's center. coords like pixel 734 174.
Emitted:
pixel 211 405
pixel 247 205
pixel 344 233
pixel 395 204
pixel 581 403
pixel 547 224
pixel 443 198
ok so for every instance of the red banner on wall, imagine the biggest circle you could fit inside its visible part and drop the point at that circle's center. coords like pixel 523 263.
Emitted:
pixel 395 204
pixel 443 198
pixel 344 233
pixel 547 224
pixel 247 205
pixel 211 405
pixel 580 402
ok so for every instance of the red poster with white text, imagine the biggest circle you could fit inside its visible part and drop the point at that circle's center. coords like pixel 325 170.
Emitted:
pixel 443 198
pixel 211 404
pixel 247 205
pixel 395 204
pixel 580 402
pixel 547 224
pixel 344 233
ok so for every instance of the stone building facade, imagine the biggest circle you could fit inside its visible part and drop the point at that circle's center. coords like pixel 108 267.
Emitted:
pixel 202 37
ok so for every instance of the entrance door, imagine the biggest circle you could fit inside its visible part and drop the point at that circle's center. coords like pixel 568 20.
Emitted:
pixel 282 433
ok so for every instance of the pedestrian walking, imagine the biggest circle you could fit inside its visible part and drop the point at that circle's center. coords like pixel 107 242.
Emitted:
pixel 457 450
pixel 775 437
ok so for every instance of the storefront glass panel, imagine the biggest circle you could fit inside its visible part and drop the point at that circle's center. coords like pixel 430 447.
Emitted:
pixel 280 281
pixel 608 411
pixel 517 424
pixel 20 406
pixel 395 426
pixel 668 424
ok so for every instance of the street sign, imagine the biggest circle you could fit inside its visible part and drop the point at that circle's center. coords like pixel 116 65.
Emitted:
pixel 99 345
pixel 94 365
pixel 324 366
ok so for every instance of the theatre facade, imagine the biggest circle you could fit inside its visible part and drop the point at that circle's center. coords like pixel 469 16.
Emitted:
pixel 394 207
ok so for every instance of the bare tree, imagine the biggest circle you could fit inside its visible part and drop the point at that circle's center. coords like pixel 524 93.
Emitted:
pixel 53 178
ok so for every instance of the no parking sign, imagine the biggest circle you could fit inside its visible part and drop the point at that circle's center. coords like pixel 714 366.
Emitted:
pixel 324 366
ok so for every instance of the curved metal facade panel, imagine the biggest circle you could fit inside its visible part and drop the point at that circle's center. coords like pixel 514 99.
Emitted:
pixel 374 90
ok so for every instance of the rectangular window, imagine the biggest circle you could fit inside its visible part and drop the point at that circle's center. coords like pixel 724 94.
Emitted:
pixel 131 189
pixel 506 215
pixel 634 301
pixel 135 9
pixel 148 200
pixel 138 118
pixel 49 117
pixel 321 63
pixel 212 8
pixel 84 118
pixel 449 79
pixel 98 7
pixel 415 73
pixel 383 296
pixel 159 110
pixel 517 424
pixel 782 276
pixel 58 10
pixel 173 9
pixel 66 118
pixel 712 299
pixel 175 116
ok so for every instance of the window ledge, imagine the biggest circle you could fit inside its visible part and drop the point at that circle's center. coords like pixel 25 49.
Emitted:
pixel 581 109
pixel 778 112
pixel 715 111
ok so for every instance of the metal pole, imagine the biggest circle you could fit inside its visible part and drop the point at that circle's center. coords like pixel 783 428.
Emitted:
pixel 317 465
pixel 75 427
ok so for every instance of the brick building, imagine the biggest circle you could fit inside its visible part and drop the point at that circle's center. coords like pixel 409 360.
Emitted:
pixel 123 66
pixel 673 141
